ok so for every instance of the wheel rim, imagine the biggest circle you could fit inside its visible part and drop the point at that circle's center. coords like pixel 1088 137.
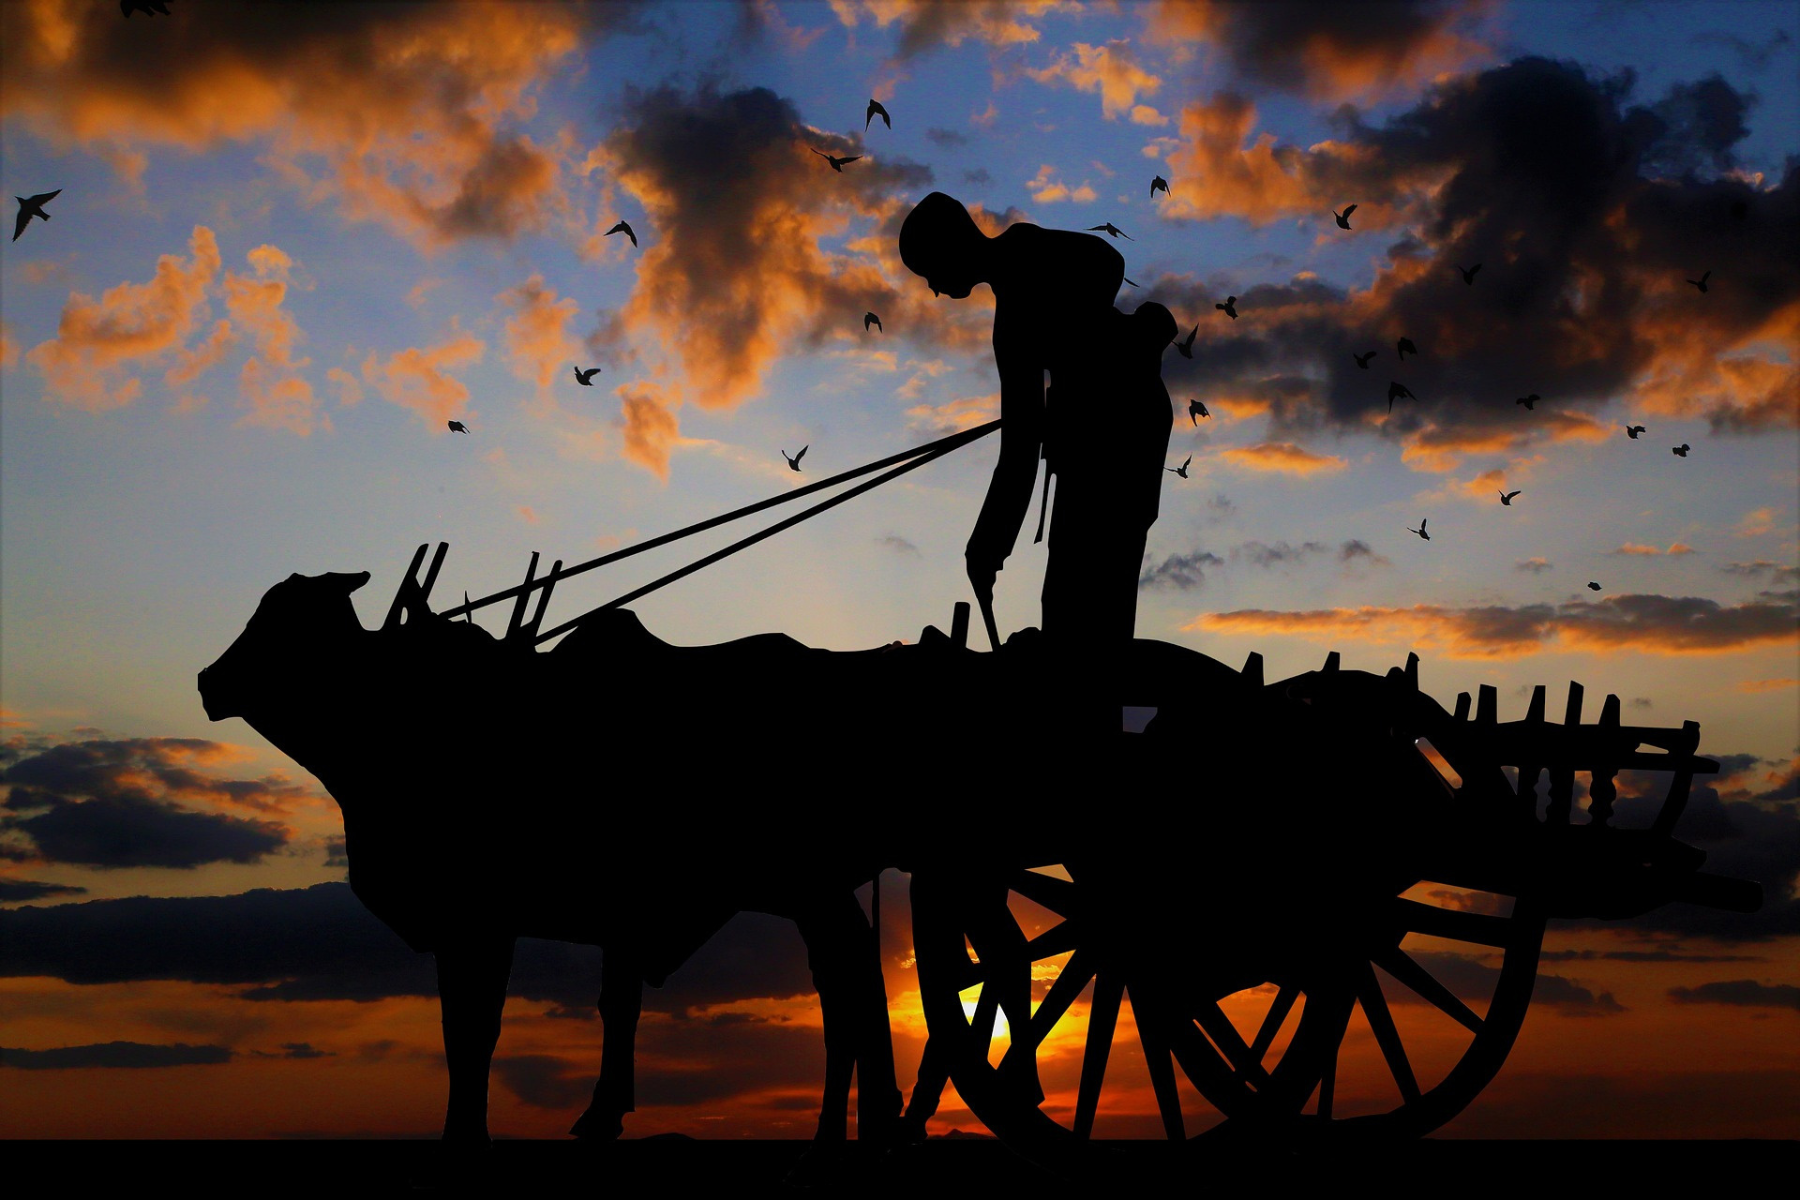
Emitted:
pixel 1278 1074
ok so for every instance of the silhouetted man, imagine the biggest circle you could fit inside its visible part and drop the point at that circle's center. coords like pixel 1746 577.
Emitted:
pixel 1102 426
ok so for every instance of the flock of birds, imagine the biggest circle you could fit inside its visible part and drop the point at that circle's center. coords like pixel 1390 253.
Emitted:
pixel 33 207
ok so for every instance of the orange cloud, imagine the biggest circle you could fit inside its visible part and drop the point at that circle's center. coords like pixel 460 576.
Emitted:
pixel 1647 623
pixel 538 342
pixel 1767 685
pixel 1438 448
pixel 965 412
pixel 97 342
pixel 651 428
pixel 1045 188
pixel 1215 169
pixel 1327 51
pixel 1110 70
pixel 269 385
pixel 405 107
pixel 416 378
pixel 734 271
pixel 1636 548
pixel 927 24
pixel 1285 457
pixel 9 347
pixel 1755 523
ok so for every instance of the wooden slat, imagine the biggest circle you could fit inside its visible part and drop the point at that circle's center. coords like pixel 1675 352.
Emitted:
pixel 1271 1025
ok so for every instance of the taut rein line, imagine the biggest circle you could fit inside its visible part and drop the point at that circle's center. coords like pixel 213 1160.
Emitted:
pixel 899 464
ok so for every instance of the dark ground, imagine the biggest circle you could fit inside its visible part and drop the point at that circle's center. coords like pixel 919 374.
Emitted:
pixel 938 1169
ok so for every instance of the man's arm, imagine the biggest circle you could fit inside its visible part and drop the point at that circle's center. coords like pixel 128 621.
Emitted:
pixel 1021 442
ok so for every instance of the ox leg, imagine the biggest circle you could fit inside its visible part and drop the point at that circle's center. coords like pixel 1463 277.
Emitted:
pixel 472 990
pixel 621 1000
pixel 853 999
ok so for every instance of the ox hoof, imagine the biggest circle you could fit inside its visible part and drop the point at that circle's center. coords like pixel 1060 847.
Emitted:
pixel 591 1126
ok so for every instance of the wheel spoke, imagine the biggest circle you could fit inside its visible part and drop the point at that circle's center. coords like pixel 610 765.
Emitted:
pixel 1056 1002
pixel 1060 938
pixel 1453 924
pixel 1278 1011
pixel 1219 1028
pixel 1150 1018
pixel 1058 895
pixel 1381 1021
pixel 1103 1015
pixel 1406 969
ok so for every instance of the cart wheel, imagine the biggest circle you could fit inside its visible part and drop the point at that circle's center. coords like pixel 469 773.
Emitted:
pixel 986 943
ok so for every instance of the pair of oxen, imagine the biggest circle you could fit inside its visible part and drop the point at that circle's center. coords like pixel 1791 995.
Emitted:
pixel 620 792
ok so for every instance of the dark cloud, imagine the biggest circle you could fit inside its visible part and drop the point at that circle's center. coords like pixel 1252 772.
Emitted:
pixel 1651 623
pixel 1184 572
pixel 1744 993
pixel 1754 56
pixel 978 177
pixel 113 804
pixel 320 943
pixel 1474 981
pixel 1262 554
pixel 296 1050
pixel 1322 47
pixel 1762 568
pixel 742 207
pixel 544 1080
pixel 1752 834
pixel 14 891
pixel 946 138
pixel 1567 193
pixel 1641 956
pixel 426 144
pixel 897 544
pixel 1642 702
pixel 115 1054
pixel 1357 550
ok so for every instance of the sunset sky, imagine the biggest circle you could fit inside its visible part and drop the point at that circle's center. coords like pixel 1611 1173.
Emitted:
pixel 293 241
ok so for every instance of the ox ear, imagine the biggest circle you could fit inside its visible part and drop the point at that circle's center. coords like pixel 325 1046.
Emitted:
pixel 345 581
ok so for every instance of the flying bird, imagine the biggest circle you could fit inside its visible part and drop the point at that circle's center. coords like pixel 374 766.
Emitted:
pixel 1681 450
pixel 1469 274
pixel 1343 218
pixel 1186 344
pixel 1182 469
pixel 458 427
pixel 1420 530
pixel 1506 498
pixel 794 460
pixel 1130 280
pixel 1592 586
pixel 1229 308
pixel 869 319
pixel 1405 347
pixel 1196 410
pixel 1159 184
pixel 1701 282
pixel 1528 401
pixel 148 7
pixel 585 378
pixel 32 206
pixel 1110 228
pixel 1362 360
pixel 875 110
pixel 623 227
pixel 1632 431
pixel 837 164
pixel 1398 391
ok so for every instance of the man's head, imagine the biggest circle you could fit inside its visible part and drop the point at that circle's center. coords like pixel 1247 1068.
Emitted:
pixel 940 241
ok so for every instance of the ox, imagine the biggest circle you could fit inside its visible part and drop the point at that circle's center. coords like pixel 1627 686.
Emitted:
pixel 588 794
